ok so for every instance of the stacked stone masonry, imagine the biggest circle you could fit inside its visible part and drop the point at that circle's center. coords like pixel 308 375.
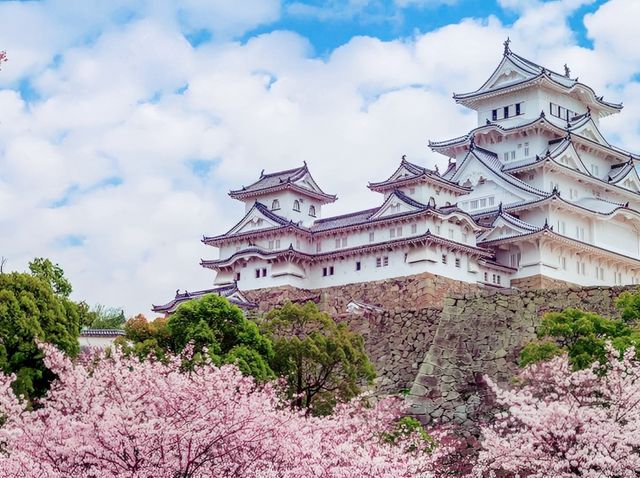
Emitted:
pixel 439 337
pixel 482 334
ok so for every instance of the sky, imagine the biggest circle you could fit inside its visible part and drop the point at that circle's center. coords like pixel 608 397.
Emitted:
pixel 124 123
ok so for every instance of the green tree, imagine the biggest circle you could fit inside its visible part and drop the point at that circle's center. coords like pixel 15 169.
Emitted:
pixel 628 303
pixel 52 274
pixel 322 361
pixel 582 335
pixel 210 323
pixel 101 317
pixel 31 310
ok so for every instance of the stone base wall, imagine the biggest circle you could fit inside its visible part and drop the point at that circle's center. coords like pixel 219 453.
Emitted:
pixel 402 293
pixel 540 282
pixel 482 334
pixel 396 343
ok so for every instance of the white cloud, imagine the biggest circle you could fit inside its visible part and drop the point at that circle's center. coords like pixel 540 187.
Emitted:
pixel 130 121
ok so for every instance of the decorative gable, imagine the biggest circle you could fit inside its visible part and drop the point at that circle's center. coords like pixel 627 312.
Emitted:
pixel 505 77
pixel 590 131
pixel 395 204
pixel 255 220
pixel 505 226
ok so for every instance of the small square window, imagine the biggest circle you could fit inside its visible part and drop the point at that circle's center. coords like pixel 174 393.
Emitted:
pixel 330 270
pixel 506 111
pixel 371 236
pixel 414 228
pixel 378 261
pixel 457 262
pixel 257 273
pixel 264 272
pixel 358 265
pixel 319 247
pixel 444 258
pixel 344 242
pixel 392 233
pixel 385 261
pixel 338 243
pixel 494 115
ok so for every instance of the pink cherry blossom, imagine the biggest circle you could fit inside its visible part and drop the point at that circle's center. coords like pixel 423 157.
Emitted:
pixel 118 417
pixel 567 424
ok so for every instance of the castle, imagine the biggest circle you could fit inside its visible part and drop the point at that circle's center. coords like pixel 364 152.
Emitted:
pixel 533 195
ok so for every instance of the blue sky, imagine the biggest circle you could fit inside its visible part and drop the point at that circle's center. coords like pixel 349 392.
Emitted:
pixel 123 124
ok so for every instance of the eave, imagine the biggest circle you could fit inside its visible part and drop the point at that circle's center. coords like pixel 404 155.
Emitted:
pixel 291 253
pixel 242 195
pixel 267 231
pixel 385 186
pixel 547 233
pixel 579 90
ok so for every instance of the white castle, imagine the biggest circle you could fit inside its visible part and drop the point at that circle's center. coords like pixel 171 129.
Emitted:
pixel 533 195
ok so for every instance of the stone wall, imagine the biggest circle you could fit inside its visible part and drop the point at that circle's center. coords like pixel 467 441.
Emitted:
pixel 540 282
pixel 409 292
pixel 482 334
pixel 396 342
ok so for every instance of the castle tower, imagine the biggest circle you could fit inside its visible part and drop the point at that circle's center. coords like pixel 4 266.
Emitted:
pixel 561 201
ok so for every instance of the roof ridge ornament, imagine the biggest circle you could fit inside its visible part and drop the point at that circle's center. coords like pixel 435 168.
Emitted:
pixel 567 71
pixel 262 174
pixel 506 43
pixel 472 141
pixel 500 208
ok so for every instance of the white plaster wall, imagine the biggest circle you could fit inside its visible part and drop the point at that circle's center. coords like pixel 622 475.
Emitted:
pixel 286 199
pixel 98 342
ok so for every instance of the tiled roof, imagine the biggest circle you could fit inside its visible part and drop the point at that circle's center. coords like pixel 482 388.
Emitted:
pixel 278 180
pixel 534 72
pixel 279 220
pixel 417 172
pixel 87 332
pixel 491 161
pixel 223 291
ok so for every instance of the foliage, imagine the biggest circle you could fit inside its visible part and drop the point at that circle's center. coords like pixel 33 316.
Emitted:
pixel 628 303
pixel 582 335
pixel 566 424
pixel 101 317
pixel 52 274
pixel 149 419
pixel 30 310
pixel 3 58
pixel 210 323
pixel 323 362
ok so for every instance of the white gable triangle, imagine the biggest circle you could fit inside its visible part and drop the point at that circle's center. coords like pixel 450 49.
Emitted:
pixel 502 228
pixel 590 131
pixel 255 220
pixel 394 205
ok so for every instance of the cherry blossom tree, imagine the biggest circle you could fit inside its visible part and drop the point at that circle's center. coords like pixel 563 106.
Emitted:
pixel 566 424
pixel 108 416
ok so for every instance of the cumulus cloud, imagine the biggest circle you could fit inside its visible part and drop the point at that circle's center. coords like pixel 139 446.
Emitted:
pixel 118 153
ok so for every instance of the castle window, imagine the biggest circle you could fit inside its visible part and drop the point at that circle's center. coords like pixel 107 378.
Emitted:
pixel 486 277
pixel 371 236
pixel 457 262
pixel 412 191
pixel 514 259
pixel 358 265
pixel 444 258
pixel 327 271
pixel 237 276
pixel 518 108
pixel 257 273
pixel 451 233
pixel 264 272
pixel 474 204
pixel 296 205
pixel 506 111
pixel 494 115
pixel 319 247
pixel 312 211
pixel 382 261
pixel 270 246
pixel 278 243
pixel 344 242
pixel 595 170
pixel 275 205
pixel 392 232
pixel 526 149
pixel 414 228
